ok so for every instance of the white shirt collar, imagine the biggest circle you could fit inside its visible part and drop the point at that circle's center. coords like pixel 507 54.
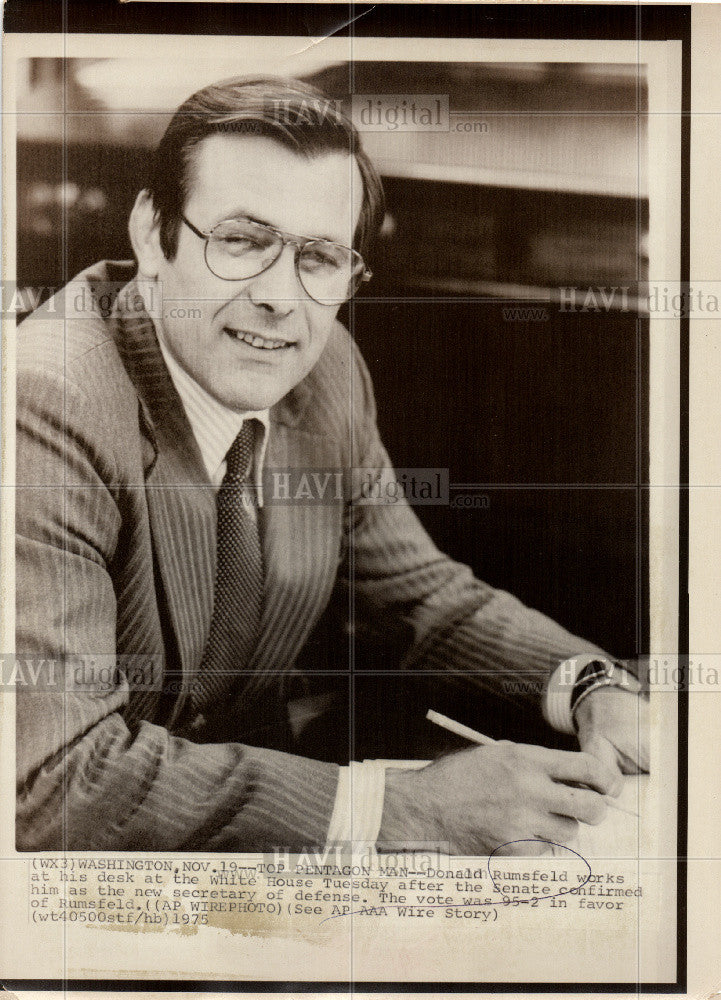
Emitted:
pixel 214 425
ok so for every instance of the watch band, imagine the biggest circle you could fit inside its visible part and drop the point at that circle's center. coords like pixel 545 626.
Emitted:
pixel 597 674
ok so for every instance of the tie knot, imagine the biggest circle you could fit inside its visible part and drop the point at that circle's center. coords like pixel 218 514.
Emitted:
pixel 240 453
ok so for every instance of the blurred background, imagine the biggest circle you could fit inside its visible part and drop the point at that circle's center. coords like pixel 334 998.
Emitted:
pixel 544 414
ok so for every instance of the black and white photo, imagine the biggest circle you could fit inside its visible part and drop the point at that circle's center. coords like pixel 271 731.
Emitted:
pixel 347 387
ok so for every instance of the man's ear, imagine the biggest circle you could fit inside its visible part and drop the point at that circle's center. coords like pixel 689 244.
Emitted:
pixel 144 232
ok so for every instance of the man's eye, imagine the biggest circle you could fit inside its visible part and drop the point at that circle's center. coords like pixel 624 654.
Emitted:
pixel 239 241
pixel 237 246
pixel 316 258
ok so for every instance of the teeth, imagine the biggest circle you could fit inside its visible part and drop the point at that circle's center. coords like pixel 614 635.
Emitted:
pixel 256 341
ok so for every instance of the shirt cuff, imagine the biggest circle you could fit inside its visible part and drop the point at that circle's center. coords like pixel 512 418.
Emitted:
pixel 358 809
pixel 557 696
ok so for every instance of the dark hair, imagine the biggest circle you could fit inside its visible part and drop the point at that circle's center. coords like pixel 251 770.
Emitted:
pixel 292 112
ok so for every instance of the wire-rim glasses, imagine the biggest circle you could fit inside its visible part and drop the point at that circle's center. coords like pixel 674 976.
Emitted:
pixel 240 248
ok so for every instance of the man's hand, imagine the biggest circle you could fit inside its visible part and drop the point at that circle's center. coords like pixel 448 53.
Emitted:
pixel 480 799
pixel 613 726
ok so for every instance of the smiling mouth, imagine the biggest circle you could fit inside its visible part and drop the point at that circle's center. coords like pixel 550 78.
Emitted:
pixel 255 340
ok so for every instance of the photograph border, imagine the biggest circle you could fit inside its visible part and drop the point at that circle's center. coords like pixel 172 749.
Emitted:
pixel 584 22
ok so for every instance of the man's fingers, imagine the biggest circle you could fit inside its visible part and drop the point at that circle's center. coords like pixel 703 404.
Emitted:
pixel 559 829
pixel 513 798
pixel 527 847
pixel 638 764
pixel 579 803
pixel 598 771
pixel 604 751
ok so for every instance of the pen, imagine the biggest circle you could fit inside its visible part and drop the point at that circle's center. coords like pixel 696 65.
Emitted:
pixel 475 737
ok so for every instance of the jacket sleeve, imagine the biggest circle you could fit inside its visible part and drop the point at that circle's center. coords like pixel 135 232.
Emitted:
pixel 86 781
pixel 445 619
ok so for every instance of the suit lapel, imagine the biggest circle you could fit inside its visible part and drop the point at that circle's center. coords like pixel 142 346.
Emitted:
pixel 180 497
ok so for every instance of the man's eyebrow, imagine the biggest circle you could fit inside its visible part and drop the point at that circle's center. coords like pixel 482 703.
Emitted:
pixel 241 214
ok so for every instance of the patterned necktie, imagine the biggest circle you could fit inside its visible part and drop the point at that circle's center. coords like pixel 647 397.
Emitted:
pixel 238 578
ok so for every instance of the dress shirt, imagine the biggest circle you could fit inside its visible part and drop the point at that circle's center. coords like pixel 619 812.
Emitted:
pixel 214 425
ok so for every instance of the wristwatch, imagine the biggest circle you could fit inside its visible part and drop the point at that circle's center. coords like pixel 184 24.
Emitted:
pixel 597 674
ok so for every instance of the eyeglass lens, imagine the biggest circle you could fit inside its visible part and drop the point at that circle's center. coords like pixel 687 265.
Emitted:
pixel 239 249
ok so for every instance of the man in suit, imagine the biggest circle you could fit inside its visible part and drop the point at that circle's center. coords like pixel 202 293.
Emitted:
pixel 168 603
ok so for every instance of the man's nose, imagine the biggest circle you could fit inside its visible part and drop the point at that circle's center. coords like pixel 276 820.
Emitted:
pixel 277 289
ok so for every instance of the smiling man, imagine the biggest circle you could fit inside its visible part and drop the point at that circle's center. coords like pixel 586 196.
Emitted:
pixel 169 607
pixel 255 339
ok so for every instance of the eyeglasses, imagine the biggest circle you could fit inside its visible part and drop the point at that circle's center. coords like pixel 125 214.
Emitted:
pixel 240 248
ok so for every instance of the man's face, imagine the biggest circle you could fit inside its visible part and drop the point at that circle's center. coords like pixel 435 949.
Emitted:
pixel 204 317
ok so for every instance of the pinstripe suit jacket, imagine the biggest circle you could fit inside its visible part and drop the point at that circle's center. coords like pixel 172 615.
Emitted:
pixel 115 520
